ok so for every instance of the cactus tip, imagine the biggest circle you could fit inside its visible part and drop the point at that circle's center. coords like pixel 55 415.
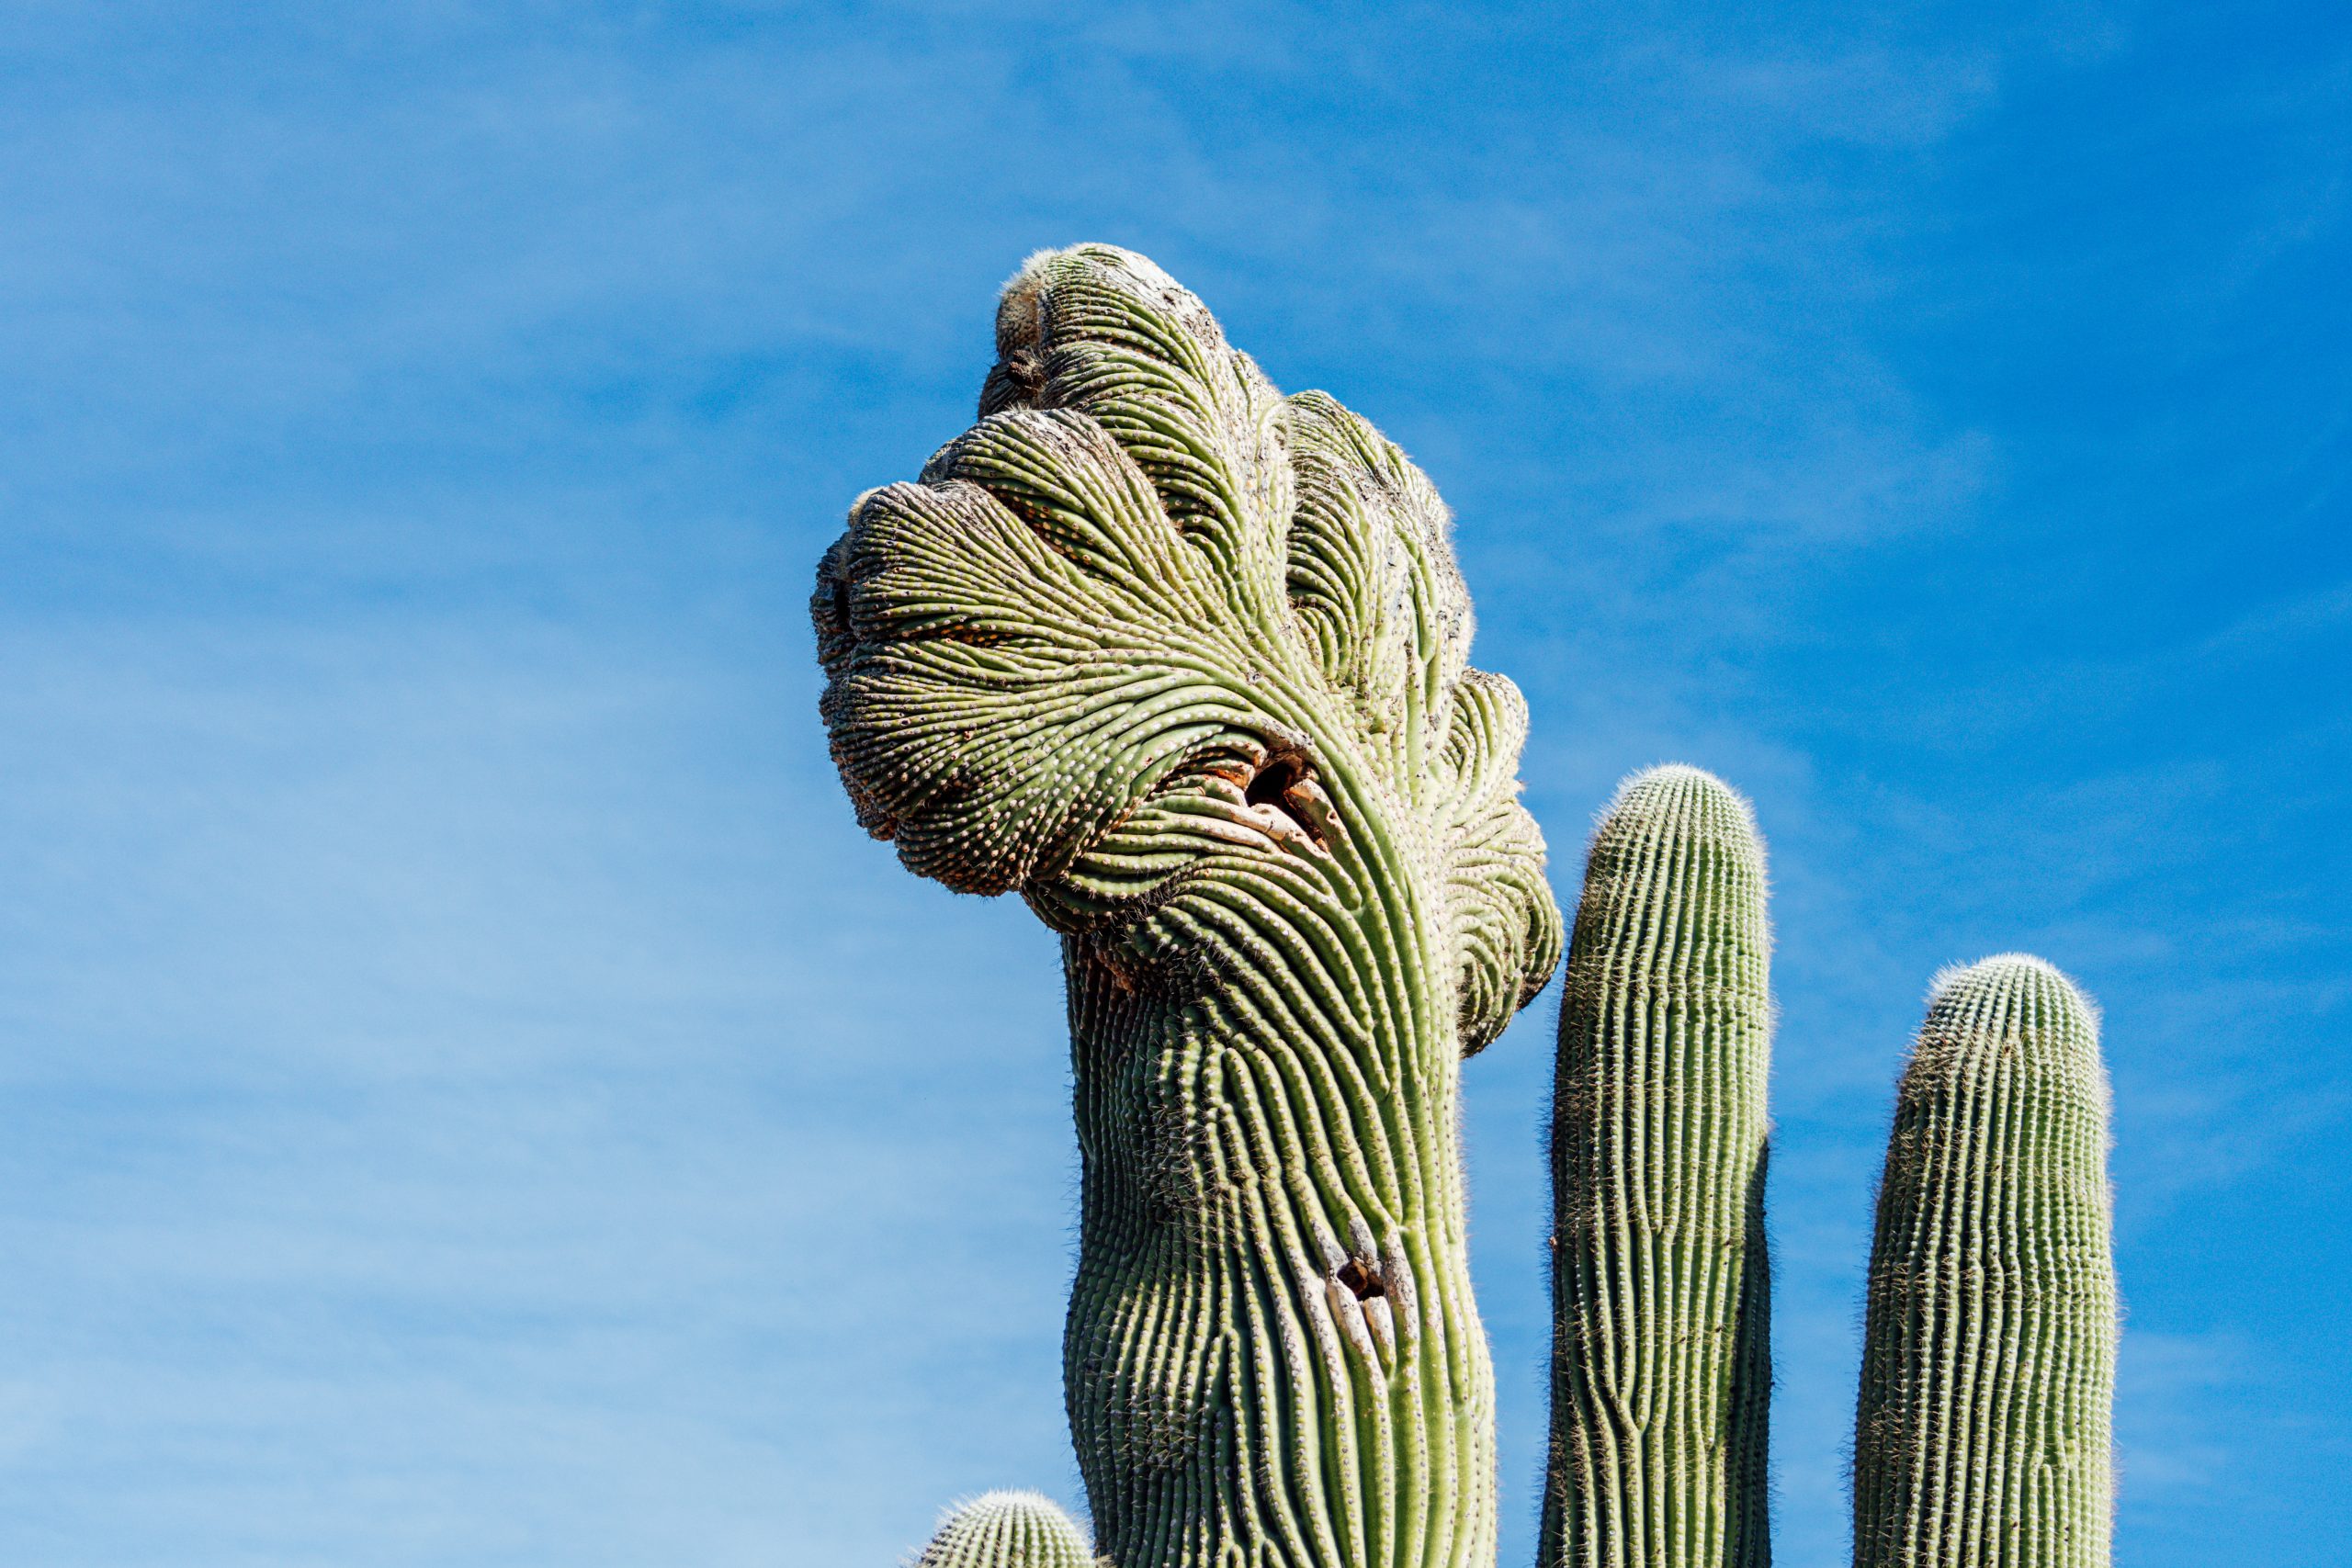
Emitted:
pixel 1667 779
pixel 2005 972
pixel 1006 1530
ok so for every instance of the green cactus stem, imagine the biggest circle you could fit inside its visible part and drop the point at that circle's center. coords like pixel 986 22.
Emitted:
pixel 1661 1357
pixel 1007 1529
pixel 1982 1436
pixel 1183 662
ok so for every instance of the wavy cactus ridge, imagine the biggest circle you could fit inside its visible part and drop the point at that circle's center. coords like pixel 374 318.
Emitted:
pixel 1006 1530
pixel 1184 664
pixel 1982 1427
pixel 1661 1373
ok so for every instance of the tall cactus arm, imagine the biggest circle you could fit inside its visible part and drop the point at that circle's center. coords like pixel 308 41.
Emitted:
pixel 1183 662
pixel 1661 1360
pixel 1982 1437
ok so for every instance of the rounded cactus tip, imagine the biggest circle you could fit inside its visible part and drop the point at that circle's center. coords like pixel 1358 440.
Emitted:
pixel 1650 788
pixel 2014 998
pixel 1680 799
pixel 1006 1530
pixel 2007 972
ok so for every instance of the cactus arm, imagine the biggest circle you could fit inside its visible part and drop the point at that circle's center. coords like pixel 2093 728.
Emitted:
pixel 1661 1372
pixel 1183 662
pixel 1981 1434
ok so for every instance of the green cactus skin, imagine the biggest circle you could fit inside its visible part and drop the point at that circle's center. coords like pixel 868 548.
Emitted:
pixel 1982 1433
pixel 1183 662
pixel 1007 1529
pixel 1661 1357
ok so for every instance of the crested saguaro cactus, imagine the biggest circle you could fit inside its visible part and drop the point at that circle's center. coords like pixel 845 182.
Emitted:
pixel 1184 664
pixel 1982 1436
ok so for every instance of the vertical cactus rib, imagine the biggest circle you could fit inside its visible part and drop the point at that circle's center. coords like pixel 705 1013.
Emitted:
pixel 1007 1529
pixel 1981 1435
pixel 1661 1371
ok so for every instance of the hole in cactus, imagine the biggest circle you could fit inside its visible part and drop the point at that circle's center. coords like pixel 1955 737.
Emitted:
pixel 1281 774
pixel 840 604
pixel 1284 772
pixel 1361 1275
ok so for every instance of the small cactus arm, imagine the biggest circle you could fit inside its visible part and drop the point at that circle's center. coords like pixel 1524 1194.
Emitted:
pixel 1183 662
pixel 1982 1433
pixel 1007 1529
pixel 1661 1360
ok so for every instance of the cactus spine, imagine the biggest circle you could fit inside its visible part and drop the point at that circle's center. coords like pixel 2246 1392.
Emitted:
pixel 1661 1360
pixel 1980 1436
pixel 1007 1529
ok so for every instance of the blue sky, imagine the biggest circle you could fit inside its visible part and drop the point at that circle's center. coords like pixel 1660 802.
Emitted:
pixel 473 1097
